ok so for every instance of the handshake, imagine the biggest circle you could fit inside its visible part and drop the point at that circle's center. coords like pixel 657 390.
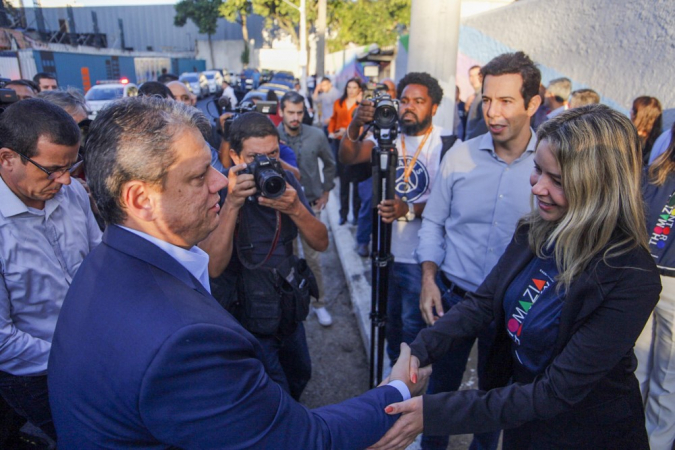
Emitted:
pixel 410 424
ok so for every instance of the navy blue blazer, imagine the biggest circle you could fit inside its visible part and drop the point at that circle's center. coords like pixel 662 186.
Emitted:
pixel 588 389
pixel 143 357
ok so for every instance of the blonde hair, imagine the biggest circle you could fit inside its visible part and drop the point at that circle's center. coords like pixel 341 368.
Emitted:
pixel 598 152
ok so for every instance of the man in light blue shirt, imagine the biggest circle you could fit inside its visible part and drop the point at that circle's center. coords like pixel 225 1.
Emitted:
pixel 46 229
pixel 481 192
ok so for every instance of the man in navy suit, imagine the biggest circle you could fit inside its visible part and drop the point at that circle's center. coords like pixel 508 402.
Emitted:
pixel 143 356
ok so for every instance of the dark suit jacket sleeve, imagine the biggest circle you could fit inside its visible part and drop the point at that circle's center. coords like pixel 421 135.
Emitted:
pixel 626 293
pixel 206 389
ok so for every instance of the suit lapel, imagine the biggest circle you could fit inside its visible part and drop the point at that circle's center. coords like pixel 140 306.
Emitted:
pixel 137 247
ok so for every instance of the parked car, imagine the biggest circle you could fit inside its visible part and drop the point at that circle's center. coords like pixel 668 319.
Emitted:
pixel 278 89
pixel 214 81
pixel 198 83
pixel 106 91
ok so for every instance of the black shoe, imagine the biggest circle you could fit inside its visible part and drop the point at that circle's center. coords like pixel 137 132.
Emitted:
pixel 362 250
pixel 342 221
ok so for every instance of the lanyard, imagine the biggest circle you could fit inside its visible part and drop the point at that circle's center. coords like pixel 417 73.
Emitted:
pixel 407 169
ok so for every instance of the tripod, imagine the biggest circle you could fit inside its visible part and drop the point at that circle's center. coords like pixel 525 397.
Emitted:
pixel 384 159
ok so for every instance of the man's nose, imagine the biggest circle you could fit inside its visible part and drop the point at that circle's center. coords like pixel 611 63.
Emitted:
pixel 64 178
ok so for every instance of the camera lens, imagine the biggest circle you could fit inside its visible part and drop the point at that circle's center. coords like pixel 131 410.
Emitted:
pixel 272 185
pixel 386 116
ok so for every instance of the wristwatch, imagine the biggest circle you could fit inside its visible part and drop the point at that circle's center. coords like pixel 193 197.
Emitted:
pixel 410 215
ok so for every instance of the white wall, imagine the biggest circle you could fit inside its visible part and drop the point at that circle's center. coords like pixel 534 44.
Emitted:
pixel 227 54
pixel 620 48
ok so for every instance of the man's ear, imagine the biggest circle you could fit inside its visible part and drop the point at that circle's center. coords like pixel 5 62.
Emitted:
pixel 533 106
pixel 7 157
pixel 434 108
pixel 236 159
pixel 138 200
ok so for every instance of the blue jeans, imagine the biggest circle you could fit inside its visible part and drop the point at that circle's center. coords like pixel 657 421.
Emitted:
pixel 29 397
pixel 449 371
pixel 287 360
pixel 404 319
pixel 364 226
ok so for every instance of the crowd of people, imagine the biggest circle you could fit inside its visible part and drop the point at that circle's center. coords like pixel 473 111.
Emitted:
pixel 157 267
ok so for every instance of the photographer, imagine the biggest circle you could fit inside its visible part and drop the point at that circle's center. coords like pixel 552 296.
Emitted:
pixel 420 148
pixel 254 241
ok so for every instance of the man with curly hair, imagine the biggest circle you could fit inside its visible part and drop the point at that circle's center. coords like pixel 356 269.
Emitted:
pixel 420 147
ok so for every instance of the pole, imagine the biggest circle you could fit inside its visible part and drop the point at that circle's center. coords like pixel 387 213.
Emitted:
pixel 303 46
pixel 321 42
pixel 434 38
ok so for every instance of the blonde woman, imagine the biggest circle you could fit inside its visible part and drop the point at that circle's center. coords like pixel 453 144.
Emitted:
pixel 656 347
pixel 570 296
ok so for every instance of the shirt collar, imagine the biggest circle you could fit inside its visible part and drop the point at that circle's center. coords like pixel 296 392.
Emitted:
pixel 195 260
pixel 12 205
pixel 486 143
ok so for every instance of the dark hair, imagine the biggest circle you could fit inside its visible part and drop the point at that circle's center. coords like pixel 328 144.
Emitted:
pixel 250 125
pixel 475 66
pixel 326 79
pixel 27 83
pixel 24 123
pixel 271 96
pixel 155 88
pixel 293 97
pixel 167 77
pixel 344 93
pixel 515 63
pixel 133 139
pixel 423 79
pixel 40 75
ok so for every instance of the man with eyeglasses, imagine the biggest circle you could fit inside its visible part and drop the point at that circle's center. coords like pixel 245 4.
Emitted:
pixel 46 229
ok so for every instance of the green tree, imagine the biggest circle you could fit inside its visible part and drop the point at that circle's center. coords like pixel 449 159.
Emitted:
pixel 203 13
pixel 367 22
pixel 237 11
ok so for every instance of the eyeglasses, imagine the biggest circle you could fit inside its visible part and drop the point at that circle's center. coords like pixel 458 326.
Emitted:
pixel 53 174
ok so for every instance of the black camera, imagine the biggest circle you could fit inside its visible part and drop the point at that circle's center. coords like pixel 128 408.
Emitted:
pixel 385 118
pixel 7 96
pixel 260 106
pixel 268 176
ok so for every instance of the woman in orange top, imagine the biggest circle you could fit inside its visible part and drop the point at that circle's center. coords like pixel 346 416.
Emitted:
pixel 343 109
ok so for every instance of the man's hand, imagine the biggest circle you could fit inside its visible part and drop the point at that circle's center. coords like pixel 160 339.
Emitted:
pixel 223 117
pixel 364 114
pixel 403 370
pixel 391 210
pixel 320 203
pixel 406 428
pixel 239 187
pixel 288 203
pixel 430 299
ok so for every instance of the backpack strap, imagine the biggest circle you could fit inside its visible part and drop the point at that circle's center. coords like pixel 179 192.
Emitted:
pixel 448 142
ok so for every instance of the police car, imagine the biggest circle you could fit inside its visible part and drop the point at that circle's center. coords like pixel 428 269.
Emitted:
pixel 106 91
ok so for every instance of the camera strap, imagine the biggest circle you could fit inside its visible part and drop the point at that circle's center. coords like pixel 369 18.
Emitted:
pixel 240 252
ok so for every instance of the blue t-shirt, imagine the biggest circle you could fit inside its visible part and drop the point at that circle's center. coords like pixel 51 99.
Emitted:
pixel 532 306
pixel 287 155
